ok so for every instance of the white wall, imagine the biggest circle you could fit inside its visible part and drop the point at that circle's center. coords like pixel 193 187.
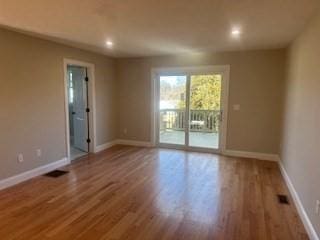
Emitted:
pixel 301 121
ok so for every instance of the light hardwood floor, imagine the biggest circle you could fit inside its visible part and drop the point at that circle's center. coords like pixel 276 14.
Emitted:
pixel 148 193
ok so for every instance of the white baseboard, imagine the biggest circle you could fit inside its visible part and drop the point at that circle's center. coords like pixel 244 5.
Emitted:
pixel 255 155
pixel 121 142
pixel 134 143
pixel 104 146
pixel 302 213
pixel 8 182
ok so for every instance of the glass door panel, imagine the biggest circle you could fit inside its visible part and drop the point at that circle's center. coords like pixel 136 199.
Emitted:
pixel 172 115
pixel 205 110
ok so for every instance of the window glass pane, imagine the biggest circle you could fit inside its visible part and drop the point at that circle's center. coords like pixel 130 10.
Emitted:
pixel 204 118
pixel 172 109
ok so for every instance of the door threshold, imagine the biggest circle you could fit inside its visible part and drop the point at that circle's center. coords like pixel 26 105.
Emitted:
pixel 191 149
pixel 77 155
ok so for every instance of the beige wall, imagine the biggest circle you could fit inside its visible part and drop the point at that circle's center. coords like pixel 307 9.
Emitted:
pixel 301 123
pixel 32 100
pixel 256 82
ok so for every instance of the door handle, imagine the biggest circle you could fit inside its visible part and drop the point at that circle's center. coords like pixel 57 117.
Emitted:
pixel 80 119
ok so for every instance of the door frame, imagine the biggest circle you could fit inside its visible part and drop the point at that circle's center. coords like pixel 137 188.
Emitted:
pixel 92 104
pixel 224 70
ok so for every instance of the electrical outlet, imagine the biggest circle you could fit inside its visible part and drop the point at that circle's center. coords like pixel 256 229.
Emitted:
pixel 318 207
pixel 20 158
pixel 39 153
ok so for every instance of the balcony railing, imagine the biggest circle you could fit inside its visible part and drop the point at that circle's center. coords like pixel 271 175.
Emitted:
pixel 200 120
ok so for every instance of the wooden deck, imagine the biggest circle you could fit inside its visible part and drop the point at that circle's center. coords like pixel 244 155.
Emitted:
pixel 196 139
pixel 149 193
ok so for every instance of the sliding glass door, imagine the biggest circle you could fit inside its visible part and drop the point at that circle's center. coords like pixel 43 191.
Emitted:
pixel 190 110
pixel 173 110
pixel 205 111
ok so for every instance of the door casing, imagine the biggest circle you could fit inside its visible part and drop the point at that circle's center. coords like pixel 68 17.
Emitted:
pixel 92 104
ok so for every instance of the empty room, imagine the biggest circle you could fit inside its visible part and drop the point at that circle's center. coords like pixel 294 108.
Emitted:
pixel 162 120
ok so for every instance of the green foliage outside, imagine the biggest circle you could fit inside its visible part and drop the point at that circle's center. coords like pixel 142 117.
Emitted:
pixel 205 96
pixel 205 92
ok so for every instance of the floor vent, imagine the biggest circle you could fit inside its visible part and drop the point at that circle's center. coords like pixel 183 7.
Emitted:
pixel 56 173
pixel 283 199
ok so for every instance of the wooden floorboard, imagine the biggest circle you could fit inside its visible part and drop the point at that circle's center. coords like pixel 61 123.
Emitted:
pixel 149 193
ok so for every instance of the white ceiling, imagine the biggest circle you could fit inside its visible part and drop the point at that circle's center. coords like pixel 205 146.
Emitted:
pixel 160 27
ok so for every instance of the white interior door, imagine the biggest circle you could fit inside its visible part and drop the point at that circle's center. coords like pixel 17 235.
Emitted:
pixel 79 115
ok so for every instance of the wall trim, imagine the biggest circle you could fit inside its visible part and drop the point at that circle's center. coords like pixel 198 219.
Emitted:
pixel 255 155
pixel 134 143
pixel 110 144
pixel 104 146
pixel 301 211
pixel 11 181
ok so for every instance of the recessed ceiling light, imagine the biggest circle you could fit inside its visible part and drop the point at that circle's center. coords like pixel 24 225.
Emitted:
pixel 109 43
pixel 235 32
